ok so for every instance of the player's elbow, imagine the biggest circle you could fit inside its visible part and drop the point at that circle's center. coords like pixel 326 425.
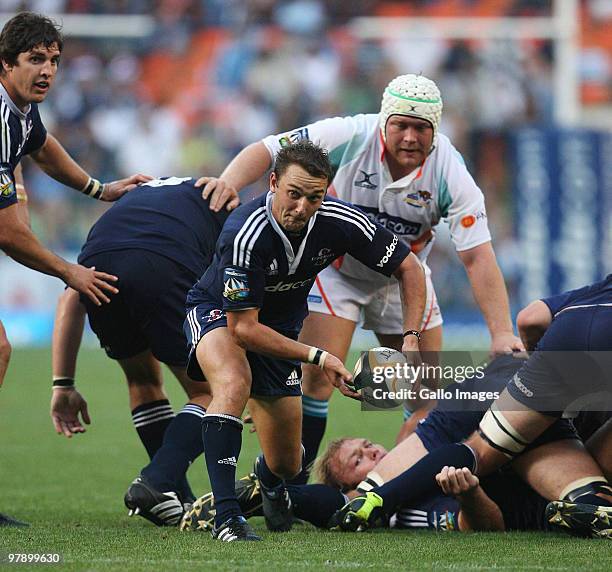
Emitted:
pixel 241 332
pixel 410 264
pixel 5 348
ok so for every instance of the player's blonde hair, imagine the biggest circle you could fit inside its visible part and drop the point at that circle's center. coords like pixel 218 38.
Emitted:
pixel 415 96
pixel 325 470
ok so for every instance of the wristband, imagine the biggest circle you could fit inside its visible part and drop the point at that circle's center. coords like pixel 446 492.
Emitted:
pixel 59 381
pixel 317 356
pixel 93 188
pixel 412 333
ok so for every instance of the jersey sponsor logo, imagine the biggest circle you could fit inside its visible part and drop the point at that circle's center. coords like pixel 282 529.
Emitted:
pixel 235 285
pixel 389 253
pixel 286 286
pixel 419 199
pixel 366 180
pixel 324 256
pixel 293 379
pixel 470 220
pixel 294 137
pixel 393 223
pixel 168 181
pixel 315 299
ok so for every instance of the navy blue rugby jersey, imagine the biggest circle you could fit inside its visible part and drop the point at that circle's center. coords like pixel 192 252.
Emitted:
pixel 21 133
pixel 165 216
pixel 598 293
pixel 255 265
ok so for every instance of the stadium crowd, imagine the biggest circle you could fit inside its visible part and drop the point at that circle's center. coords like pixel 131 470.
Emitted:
pixel 210 60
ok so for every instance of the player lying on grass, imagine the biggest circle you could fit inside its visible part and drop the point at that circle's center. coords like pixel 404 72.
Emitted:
pixel 158 240
pixel 245 313
pixel 571 364
pixel 501 501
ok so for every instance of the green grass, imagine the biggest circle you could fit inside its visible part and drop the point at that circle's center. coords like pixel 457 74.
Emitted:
pixel 71 491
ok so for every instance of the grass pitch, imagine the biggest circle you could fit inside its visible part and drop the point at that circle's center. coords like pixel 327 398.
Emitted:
pixel 71 492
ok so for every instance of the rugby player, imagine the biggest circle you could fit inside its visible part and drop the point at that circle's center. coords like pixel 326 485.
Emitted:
pixel 159 240
pixel 30 48
pixel 245 313
pixel 403 173
pixel 501 501
pixel 570 363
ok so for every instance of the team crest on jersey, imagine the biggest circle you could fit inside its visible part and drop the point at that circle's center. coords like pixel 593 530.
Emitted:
pixel 419 199
pixel 364 180
pixel 294 137
pixel 324 256
pixel 7 187
pixel 235 285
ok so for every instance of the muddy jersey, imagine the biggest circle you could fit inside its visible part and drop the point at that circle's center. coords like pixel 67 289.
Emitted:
pixel 442 188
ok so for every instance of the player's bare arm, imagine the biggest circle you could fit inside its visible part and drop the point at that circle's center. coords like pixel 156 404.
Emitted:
pixel 68 406
pixel 246 168
pixel 54 160
pixel 490 294
pixel 18 241
pixel 253 336
pixel 532 321
pixel 22 196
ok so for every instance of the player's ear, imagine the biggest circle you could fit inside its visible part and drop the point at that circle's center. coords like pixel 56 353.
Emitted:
pixel 273 182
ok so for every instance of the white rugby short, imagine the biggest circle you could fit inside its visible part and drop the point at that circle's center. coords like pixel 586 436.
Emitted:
pixel 380 308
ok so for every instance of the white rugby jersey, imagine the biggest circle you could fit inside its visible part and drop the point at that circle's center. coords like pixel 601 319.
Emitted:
pixel 409 207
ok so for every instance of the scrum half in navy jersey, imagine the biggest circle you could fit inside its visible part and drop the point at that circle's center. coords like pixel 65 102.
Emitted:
pixel 21 133
pixel 255 265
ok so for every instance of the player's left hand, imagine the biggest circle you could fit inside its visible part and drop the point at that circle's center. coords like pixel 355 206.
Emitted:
pixel 506 343
pixel 456 482
pixel 116 189
pixel 66 405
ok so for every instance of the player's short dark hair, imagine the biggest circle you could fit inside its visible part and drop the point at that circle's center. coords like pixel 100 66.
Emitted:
pixel 312 158
pixel 25 31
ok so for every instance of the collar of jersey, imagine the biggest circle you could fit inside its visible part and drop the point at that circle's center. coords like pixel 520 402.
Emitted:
pixel 293 260
pixel 11 103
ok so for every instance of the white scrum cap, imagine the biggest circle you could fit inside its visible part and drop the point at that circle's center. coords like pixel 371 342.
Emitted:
pixel 413 95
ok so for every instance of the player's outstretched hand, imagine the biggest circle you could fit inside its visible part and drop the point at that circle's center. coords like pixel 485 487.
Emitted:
pixel 339 376
pixel 456 481
pixel 221 194
pixel 66 405
pixel 116 189
pixel 90 282
pixel 506 344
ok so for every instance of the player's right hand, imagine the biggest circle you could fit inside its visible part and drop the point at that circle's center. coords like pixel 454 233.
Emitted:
pixel 339 376
pixel 454 482
pixel 90 282
pixel 221 194
pixel 66 405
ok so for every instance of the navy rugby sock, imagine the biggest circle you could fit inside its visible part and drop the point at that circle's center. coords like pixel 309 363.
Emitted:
pixel 266 477
pixel 182 445
pixel 314 422
pixel 420 480
pixel 151 421
pixel 222 436
pixel 315 503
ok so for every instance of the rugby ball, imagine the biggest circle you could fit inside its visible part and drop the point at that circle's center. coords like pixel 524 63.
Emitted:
pixel 381 375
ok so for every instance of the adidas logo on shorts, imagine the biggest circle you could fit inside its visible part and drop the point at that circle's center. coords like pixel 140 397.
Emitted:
pixel 229 461
pixel 293 379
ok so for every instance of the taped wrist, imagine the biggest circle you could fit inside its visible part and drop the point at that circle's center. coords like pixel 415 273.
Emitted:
pixel 59 381
pixel 93 188
pixel 317 356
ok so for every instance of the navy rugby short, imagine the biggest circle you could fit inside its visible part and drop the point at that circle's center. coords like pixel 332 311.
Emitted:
pixel 148 311
pixel 272 377
pixel 571 366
